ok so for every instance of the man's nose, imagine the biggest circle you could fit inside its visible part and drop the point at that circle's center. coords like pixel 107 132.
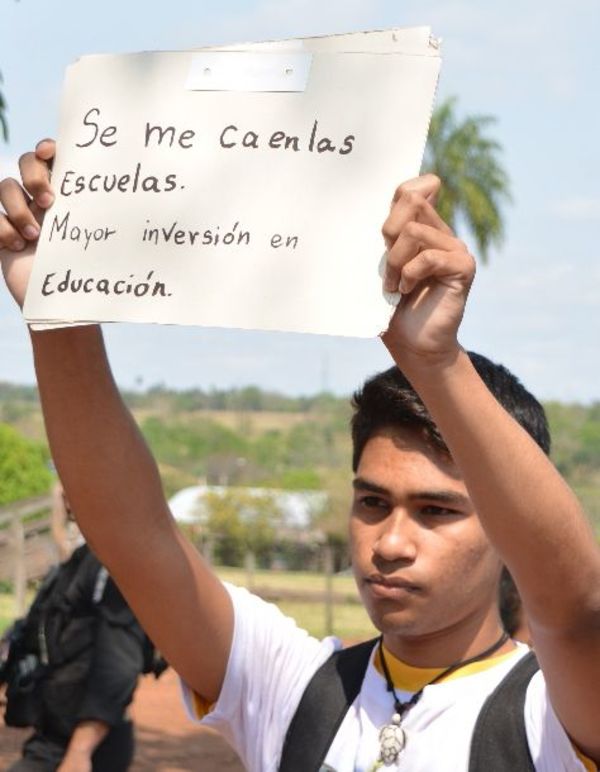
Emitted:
pixel 398 537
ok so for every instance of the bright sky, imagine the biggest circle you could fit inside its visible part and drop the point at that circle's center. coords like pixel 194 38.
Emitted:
pixel 535 308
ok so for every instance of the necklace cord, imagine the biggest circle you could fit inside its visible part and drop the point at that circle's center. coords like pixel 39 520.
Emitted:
pixel 402 707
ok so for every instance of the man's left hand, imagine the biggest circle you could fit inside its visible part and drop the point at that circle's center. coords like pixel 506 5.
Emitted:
pixel 433 271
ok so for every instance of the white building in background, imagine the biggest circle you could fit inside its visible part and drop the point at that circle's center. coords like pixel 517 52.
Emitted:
pixel 297 509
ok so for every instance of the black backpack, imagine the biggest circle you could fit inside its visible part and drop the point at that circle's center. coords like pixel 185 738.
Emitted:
pixel 25 647
pixel 21 665
pixel 499 742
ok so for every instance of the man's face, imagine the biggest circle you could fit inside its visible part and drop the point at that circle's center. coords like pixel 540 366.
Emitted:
pixel 421 559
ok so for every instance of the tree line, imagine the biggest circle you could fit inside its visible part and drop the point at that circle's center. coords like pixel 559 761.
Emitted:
pixel 257 438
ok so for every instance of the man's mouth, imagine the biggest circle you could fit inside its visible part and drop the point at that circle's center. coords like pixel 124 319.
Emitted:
pixel 390 586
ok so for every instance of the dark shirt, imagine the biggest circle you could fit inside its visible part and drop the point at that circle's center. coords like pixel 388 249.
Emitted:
pixel 93 644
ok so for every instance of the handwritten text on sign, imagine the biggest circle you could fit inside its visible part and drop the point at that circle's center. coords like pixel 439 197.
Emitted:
pixel 253 210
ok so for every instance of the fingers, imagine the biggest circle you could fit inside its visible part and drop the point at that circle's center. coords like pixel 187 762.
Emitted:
pixel 10 238
pixel 427 185
pixel 21 223
pixel 18 225
pixel 46 149
pixel 411 205
pixel 414 238
pixel 441 264
pixel 35 173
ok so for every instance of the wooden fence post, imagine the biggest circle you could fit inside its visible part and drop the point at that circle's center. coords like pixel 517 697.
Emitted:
pixel 328 566
pixel 13 559
pixel 208 549
pixel 250 568
pixel 19 567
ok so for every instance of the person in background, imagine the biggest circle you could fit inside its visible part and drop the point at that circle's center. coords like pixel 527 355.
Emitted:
pixel 90 651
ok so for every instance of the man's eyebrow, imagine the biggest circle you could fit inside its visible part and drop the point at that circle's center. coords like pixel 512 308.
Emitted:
pixel 442 496
pixel 360 484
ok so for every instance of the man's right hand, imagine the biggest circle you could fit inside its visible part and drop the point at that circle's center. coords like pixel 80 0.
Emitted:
pixel 25 206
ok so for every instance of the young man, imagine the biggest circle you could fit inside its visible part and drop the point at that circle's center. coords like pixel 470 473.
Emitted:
pixel 431 525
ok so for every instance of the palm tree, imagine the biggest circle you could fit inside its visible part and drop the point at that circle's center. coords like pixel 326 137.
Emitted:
pixel 475 183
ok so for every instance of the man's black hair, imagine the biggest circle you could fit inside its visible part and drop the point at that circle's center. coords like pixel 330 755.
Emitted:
pixel 511 608
pixel 388 401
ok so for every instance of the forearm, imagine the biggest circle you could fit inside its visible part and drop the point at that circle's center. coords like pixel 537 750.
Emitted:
pixel 98 450
pixel 86 738
pixel 528 511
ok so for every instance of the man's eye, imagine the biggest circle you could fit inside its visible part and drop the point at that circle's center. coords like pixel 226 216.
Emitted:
pixel 372 502
pixel 432 509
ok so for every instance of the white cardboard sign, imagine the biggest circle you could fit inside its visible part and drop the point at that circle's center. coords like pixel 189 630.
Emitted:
pixel 240 189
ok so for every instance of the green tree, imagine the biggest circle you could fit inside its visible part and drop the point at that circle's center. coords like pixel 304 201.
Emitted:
pixel 475 184
pixel 333 517
pixel 187 444
pixel 23 467
pixel 241 522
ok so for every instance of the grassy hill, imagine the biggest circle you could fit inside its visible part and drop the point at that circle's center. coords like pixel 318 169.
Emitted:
pixel 253 437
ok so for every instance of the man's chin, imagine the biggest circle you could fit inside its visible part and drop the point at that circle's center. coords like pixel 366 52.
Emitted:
pixel 387 617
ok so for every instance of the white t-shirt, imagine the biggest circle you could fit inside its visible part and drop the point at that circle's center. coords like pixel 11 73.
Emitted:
pixel 272 661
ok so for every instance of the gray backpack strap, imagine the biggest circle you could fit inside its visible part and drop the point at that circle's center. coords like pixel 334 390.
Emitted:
pixel 100 585
pixel 499 742
pixel 325 702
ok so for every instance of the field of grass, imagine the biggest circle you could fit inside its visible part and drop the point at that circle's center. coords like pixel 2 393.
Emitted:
pixel 249 422
pixel 350 621
pixel 300 581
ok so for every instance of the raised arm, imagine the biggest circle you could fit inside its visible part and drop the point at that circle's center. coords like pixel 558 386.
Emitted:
pixel 109 475
pixel 528 511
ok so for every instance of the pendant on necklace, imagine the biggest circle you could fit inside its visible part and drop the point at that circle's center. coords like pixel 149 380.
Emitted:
pixel 392 739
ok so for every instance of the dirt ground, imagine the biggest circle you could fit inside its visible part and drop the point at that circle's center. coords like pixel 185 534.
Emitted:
pixel 166 741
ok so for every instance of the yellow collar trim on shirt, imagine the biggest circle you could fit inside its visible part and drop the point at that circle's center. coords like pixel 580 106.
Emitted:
pixel 411 679
pixel 589 765
pixel 200 706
